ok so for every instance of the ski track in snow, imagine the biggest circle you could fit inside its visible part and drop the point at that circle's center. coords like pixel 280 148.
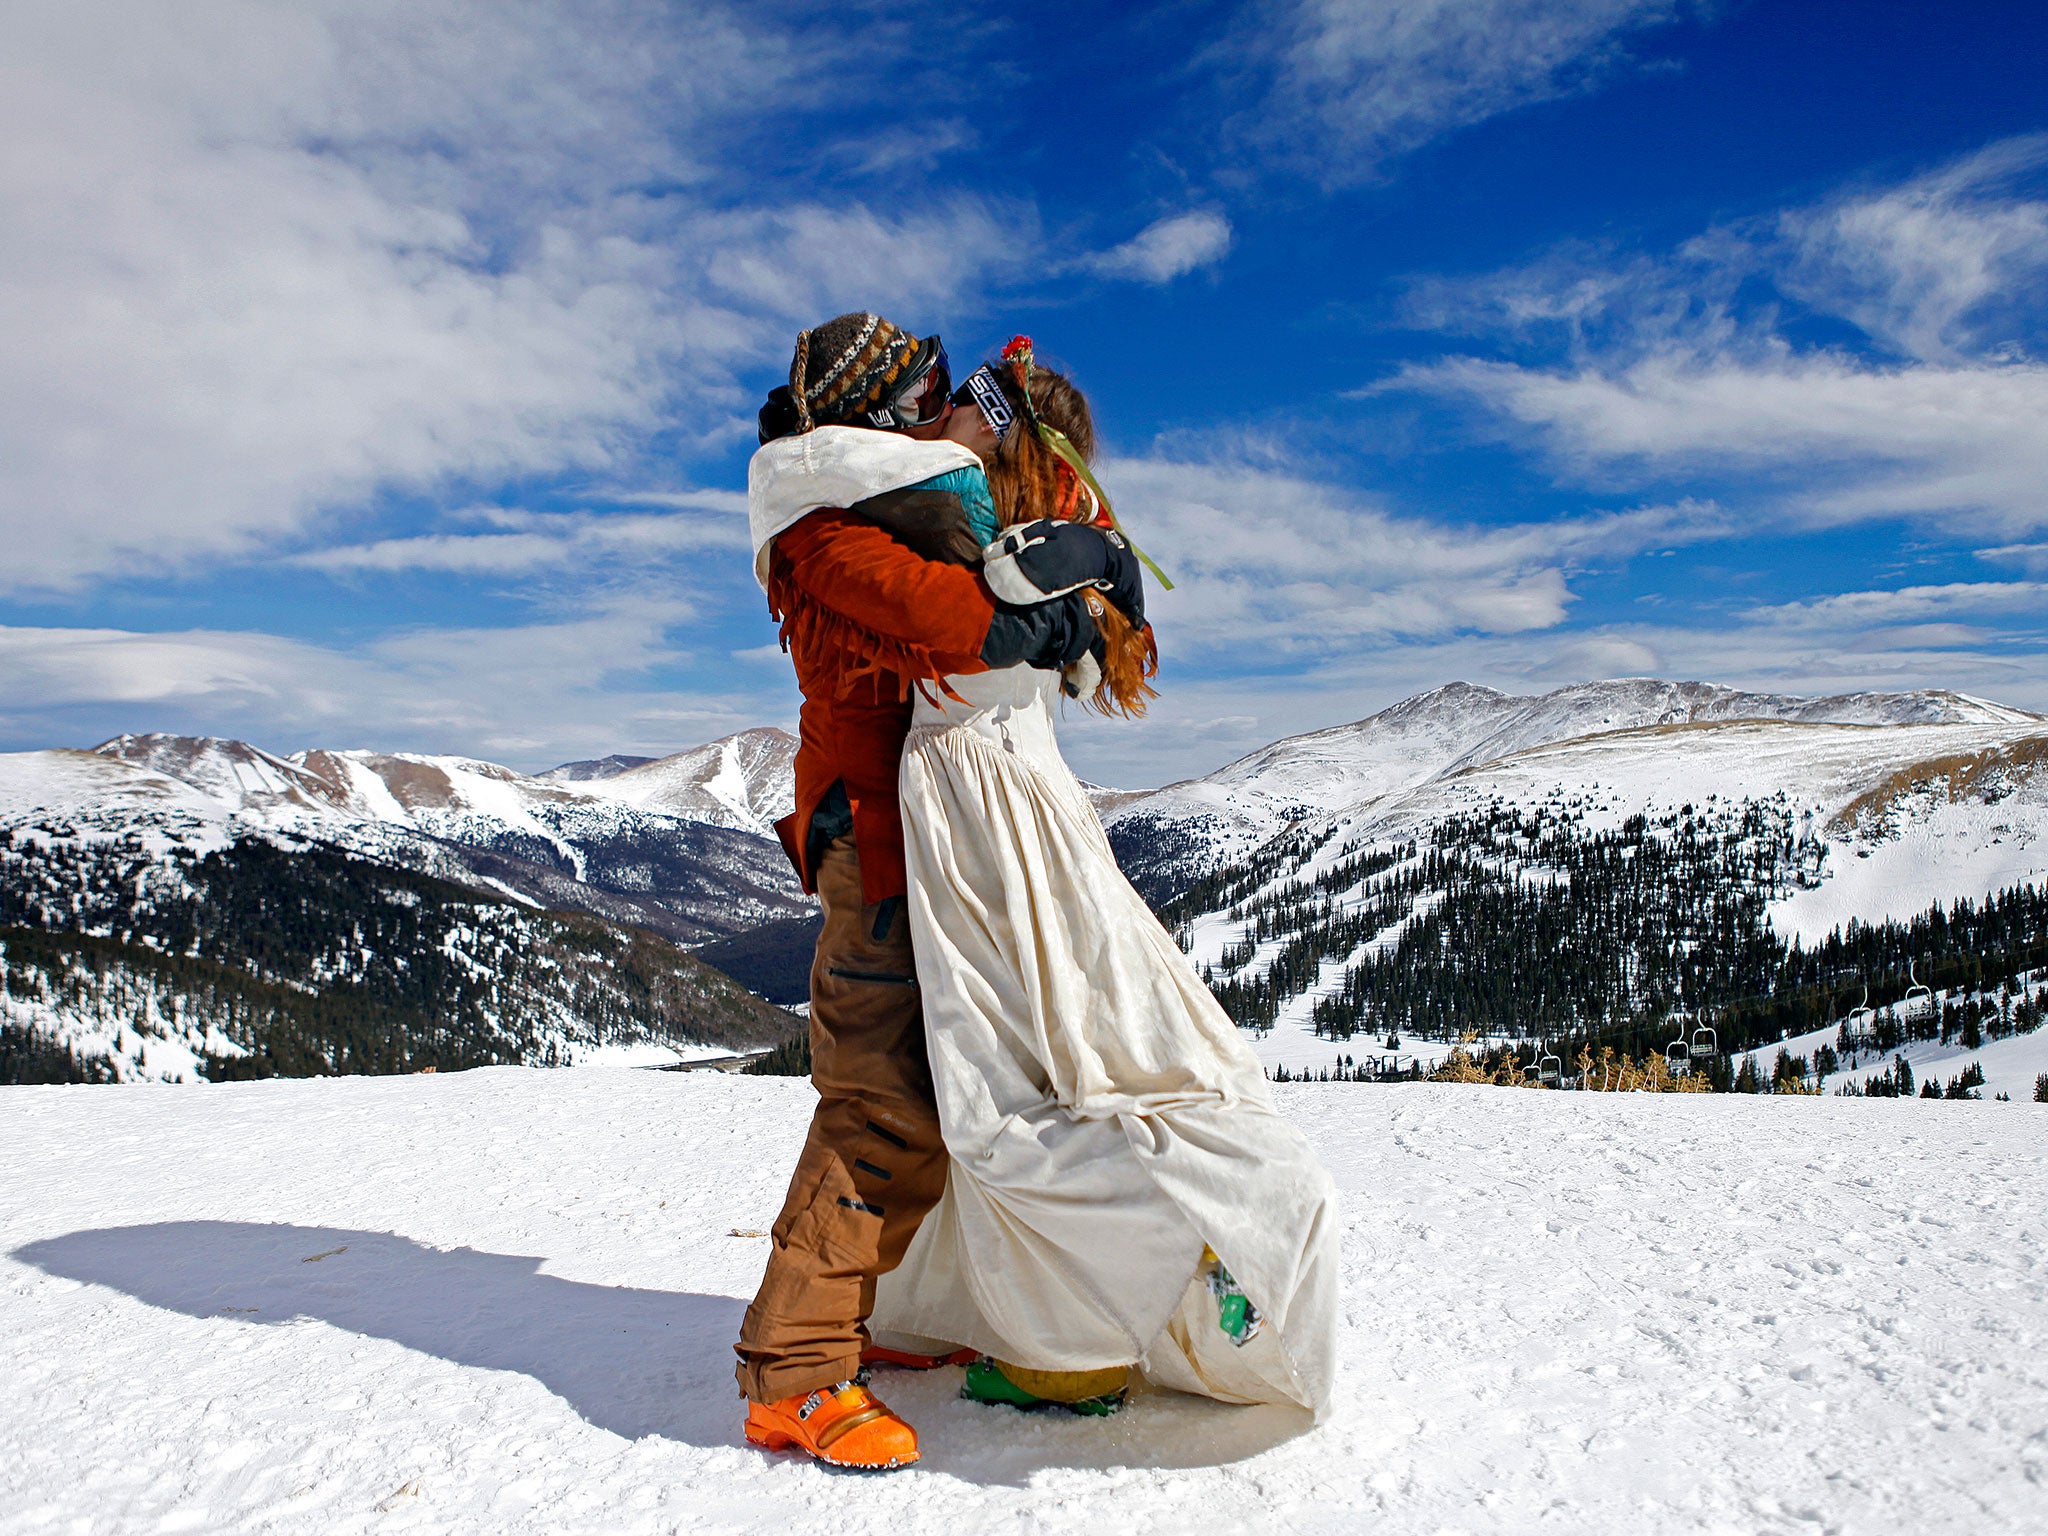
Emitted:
pixel 275 1307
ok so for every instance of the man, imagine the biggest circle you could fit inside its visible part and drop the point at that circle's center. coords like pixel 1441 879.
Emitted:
pixel 865 618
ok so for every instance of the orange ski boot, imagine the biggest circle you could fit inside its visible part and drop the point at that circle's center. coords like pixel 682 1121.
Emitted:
pixel 910 1360
pixel 843 1426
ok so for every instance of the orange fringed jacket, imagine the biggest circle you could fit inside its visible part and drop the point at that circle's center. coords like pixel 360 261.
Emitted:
pixel 865 620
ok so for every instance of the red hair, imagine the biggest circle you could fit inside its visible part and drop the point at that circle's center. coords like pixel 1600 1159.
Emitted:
pixel 1029 481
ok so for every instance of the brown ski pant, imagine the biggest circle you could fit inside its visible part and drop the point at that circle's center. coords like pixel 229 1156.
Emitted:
pixel 874 1162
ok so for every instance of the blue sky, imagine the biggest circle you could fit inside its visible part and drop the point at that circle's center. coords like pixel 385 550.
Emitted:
pixel 382 374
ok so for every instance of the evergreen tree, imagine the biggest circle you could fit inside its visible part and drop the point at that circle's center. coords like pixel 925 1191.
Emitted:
pixel 1517 922
pixel 261 961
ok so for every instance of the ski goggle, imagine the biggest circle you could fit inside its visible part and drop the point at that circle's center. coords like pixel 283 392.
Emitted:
pixel 985 394
pixel 924 393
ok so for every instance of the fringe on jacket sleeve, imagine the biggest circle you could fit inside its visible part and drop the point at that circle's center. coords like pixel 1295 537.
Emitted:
pixel 929 619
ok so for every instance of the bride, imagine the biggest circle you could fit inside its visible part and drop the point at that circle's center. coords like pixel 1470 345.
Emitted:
pixel 1121 1191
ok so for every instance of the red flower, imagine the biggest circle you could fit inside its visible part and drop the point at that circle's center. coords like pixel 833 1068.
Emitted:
pixel 1017 345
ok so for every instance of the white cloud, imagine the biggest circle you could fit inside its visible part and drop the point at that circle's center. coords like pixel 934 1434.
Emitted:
pixel 529 696
pixel 812 262
pixel 1926 267
pixel 1848 611
pixel 733 503
pixel 1668 373
pixel 1859 441
pixel 2030 558
pixel 557 542
pixel 1277 573
pixel 1357 81
pixel 1268 563
pixel 917 146
pixel 262 262
pixel 1167 248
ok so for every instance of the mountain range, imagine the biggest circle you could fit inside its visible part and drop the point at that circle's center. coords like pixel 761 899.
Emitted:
pixel 179 907
pixel 649 839
pixel 1167 838
pixel 155 944
pixel 681 847
pixel 1772 874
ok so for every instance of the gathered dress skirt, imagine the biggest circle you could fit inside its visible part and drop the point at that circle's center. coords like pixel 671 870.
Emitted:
pixel 1103 1117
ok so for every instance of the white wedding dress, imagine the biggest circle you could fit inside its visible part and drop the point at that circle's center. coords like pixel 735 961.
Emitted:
pixel 1104 1118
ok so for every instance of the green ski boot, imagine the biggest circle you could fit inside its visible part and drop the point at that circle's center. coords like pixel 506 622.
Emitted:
pixel 1094 1394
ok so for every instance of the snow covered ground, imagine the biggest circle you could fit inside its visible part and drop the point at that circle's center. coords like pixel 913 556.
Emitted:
pixel 1938 854
pixel 502 1301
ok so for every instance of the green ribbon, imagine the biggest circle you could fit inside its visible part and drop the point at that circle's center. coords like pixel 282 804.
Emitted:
pixel 1056 440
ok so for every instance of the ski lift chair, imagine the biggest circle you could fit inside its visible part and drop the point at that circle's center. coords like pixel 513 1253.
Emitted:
pixel 1705 1043
pixel 1550 1072
pixel 1919 999
pixel 1678 1056
pixel 1858 1021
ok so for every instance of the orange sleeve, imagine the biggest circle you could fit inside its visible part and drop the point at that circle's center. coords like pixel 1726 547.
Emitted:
pixel 848 565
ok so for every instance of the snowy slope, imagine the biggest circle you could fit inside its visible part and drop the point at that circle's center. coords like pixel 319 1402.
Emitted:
pixel 745 780
pixel 595 767
pixel 109 858
pixel 341 1306
pixel 741 781
pixel 1168 836
pixel 68 782
pixel 1908 816
pixel 1932 850
pixel 231 772
pixel 1821 768
pixel 686 866
pixel 153 938
pixel 2011 1066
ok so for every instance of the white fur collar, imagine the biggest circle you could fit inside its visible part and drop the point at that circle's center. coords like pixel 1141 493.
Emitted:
pixel 792 477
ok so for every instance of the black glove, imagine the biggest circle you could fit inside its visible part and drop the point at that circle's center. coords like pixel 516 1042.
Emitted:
pixel 1047 635
pixel 1050 559
pixel 778 416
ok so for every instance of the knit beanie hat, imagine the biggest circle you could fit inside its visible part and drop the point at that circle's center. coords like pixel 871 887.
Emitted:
pixel 844 367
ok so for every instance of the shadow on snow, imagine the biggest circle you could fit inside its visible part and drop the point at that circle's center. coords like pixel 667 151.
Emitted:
pixel 634 1362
